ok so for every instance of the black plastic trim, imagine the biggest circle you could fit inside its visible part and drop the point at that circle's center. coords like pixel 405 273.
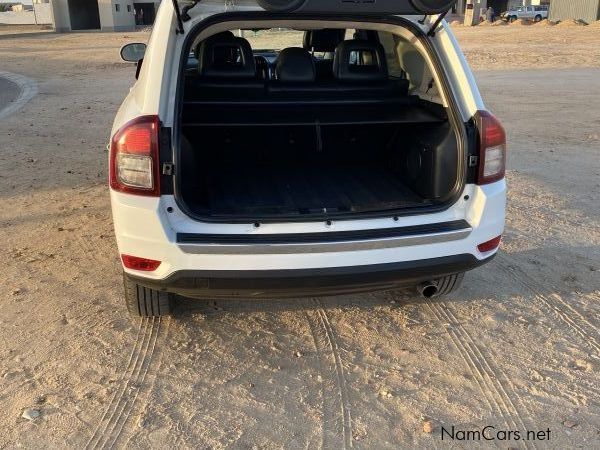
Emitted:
pixel 455 117
pixel 307 282
pixel 165 156
pixel 326 237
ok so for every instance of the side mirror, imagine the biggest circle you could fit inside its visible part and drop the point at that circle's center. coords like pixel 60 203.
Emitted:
pixel 133 52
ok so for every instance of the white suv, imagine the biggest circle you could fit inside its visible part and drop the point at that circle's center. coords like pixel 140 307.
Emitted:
pixel 302 147
pixel 535 13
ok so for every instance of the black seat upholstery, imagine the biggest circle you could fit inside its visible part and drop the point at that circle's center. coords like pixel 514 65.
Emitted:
pixel 323 41
pixel 295 65
pixel 360 60
pixel 226 57
pixel 227 70
pixel 219 36
pixel 360 67
pixel 359 73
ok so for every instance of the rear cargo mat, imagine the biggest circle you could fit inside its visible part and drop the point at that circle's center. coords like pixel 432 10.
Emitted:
pixel 288 191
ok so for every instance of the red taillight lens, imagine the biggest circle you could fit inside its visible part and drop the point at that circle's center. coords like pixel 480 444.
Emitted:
pixel 134 163
pixel 135 263
pixel 490 245
pixel 492 157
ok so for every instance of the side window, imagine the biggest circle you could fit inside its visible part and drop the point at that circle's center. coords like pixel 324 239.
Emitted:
pixel 391 55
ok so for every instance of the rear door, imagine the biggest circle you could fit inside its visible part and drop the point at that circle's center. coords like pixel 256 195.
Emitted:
pixel 529 12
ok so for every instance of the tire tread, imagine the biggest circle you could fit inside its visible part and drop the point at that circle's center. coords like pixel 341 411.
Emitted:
pixel 145 302
pixel 449 284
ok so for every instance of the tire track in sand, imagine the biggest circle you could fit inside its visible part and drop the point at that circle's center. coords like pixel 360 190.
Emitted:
pixel 495 386
pixel 572 318
pixel 132 380
pixel 337 419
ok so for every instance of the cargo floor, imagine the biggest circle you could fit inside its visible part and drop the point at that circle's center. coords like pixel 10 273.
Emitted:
pixel 274 190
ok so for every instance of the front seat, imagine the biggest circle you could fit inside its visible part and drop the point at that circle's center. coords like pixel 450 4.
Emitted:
pixel 324 41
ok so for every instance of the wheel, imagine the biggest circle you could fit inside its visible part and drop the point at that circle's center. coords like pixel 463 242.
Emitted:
pixel 511 19
pixel 145 302
pixel 449 284
pixel 441 286
pixel 538 18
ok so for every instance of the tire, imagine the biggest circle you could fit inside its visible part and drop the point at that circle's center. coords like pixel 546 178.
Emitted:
pixel 538 18
pixel 441 286
pixel 511 19
pixel 145 302
pixel 449 284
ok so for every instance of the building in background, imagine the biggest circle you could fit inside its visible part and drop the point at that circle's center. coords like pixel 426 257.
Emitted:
pixel 104 15
pixel 586 10
pixel 19 7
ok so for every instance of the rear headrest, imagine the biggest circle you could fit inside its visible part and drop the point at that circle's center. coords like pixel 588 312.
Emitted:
pixel 223 56
pixel 295 65
pixel 219 36
pixel 359 60
pixel 325 40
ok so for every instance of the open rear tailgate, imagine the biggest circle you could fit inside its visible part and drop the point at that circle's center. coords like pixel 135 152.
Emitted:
pixel 371 7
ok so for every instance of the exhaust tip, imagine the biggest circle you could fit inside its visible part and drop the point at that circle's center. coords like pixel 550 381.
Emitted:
pixel 428 290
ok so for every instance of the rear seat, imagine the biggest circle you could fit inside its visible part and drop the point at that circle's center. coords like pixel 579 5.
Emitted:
pixel 226 70
pixel 360 66
pixel 227 73
pixel 353 79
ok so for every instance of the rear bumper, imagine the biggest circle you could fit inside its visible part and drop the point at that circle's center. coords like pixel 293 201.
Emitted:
pixel 309 282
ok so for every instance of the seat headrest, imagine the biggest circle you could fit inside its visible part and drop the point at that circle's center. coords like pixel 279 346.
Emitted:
pixel 325 40
pixel 295 65
pixel 222 35
pixel 225 56
pixel 359 60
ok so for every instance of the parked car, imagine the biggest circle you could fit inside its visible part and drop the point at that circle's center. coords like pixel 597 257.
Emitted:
pixel 535 13
pixel 352 153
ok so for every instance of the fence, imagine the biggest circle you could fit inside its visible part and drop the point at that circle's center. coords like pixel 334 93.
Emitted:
pixel 43 16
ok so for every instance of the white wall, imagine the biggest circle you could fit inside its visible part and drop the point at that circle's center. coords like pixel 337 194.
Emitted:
pixel 17 18
pixel 43 11
pixel 123 20
pixel 110 19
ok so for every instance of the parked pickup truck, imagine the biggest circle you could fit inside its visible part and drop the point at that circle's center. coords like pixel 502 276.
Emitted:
pixel 536 13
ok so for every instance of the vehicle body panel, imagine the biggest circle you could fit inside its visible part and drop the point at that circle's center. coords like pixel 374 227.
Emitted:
pixel 147 226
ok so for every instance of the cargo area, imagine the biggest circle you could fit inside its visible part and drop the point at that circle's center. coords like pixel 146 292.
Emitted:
pixel 289 136
pixel 323 169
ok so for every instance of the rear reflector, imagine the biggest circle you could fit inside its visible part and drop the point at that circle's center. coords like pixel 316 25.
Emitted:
pixel 489 245
pixel 135 263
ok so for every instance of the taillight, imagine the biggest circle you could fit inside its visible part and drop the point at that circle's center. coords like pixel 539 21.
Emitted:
pixel 134 163
pixel 137 263
pixel 492 157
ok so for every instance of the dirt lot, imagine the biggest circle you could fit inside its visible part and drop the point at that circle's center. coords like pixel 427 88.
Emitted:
pixel 518 348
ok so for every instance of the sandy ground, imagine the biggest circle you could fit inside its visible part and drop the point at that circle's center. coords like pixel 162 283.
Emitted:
pixel 517 348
